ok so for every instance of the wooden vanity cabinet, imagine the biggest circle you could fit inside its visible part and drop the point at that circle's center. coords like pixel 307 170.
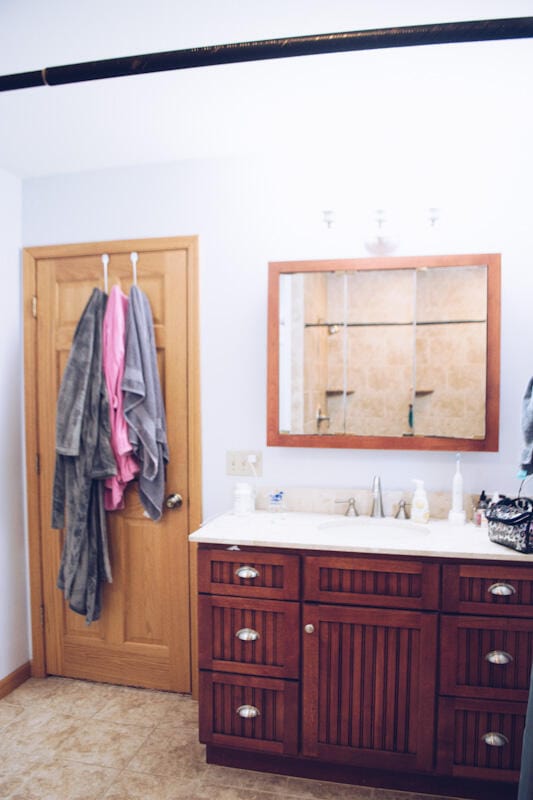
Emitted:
pixel 369 663
pixel 409 673
pixel 486 654
pixel 249 649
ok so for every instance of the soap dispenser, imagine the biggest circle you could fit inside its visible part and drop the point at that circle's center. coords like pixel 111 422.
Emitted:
pixel 420 505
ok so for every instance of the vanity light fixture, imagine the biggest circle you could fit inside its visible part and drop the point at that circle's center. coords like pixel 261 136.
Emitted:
pixel 328 218
pixel 382 243
pixel 433 216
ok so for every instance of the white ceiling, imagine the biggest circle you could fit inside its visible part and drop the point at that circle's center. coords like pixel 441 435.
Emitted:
pixel 311 102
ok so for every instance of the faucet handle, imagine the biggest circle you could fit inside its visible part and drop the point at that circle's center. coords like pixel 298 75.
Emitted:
pixel 352 508
pixel 402 512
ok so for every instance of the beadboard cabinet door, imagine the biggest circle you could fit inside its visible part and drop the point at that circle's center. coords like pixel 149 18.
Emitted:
pixel 369 686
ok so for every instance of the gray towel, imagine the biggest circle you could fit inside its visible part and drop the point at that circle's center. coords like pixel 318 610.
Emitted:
pixel 526 458
pixel 83 459
pixel 143 403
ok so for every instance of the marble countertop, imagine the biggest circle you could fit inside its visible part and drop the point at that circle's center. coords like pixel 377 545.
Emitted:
pixel 331 532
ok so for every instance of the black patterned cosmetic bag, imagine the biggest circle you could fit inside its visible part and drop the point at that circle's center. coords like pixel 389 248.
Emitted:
pixel 511 522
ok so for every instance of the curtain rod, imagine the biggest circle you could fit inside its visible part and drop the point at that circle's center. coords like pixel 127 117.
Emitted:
pixel 376 39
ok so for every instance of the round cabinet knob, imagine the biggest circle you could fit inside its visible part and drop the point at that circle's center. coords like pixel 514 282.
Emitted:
pixel 246 572
pixel 174 501
pixel 309 628
pixel 248 712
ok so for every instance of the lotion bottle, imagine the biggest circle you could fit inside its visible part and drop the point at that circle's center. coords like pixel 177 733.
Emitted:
pixel 420 505
pixel 457 514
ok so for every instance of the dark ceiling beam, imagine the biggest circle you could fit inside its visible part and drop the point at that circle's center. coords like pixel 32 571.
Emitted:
pixel 382 38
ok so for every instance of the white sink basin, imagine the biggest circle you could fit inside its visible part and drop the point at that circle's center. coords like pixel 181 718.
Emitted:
pixel 386 527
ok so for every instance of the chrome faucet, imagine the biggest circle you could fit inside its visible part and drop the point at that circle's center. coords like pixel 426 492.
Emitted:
pixel 377 501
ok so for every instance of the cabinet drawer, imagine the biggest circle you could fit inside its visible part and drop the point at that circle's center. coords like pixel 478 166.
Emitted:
pixel 249 712
pixel 262 638
pixel 499 590
pixel 486 657
pixel 249 574
pixel 480 738
pixel 372 582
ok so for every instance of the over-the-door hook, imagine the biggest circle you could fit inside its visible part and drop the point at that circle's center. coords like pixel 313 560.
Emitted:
pixel 105 262
pixel 134 257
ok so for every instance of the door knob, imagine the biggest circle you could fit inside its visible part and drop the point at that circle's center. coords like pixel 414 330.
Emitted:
pixel 174 501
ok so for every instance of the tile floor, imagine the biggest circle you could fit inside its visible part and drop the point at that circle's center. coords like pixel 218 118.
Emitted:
pixel 64 739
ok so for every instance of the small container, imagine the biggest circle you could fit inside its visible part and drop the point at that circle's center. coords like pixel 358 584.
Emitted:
pixel 243 499
pixel 480 511
pixel 276 502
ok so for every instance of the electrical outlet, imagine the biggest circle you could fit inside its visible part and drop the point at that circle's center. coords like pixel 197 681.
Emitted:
pixel 239 462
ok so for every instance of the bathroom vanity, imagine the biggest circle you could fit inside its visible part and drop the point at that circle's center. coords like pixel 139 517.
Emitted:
pixel 383 654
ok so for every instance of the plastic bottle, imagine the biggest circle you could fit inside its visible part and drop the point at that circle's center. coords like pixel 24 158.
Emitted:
pixel 243 499
pixel 481 509
pixel 420 505
pixel 457 514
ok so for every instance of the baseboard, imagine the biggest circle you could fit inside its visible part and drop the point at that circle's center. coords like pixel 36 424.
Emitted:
pixel 16 678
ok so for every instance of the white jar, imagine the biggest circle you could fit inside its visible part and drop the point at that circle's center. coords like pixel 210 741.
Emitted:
pixel 243 499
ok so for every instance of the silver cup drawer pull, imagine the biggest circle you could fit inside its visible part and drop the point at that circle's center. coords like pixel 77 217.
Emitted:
pixel 499 657
pixel 248 712
pixel 247 572
pixel 502 589
pixel 495 739
pixel 247 635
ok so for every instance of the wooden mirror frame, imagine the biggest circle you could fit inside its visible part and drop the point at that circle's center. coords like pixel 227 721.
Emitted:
pixel 492 395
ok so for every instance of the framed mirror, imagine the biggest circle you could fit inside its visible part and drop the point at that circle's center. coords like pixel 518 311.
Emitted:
pixel 386 353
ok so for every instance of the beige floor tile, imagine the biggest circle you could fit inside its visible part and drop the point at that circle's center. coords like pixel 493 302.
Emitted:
pixel 37 732
pixel 59 780
pixel 8 713
pixel 139 786
pixel 37 690
pixel 392 794
pixel 326 790
pixel 148 708
pixel 10 783
pixel 106 744
pixel 171 751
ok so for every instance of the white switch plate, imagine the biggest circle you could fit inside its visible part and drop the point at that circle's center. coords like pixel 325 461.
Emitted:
pixel 237 463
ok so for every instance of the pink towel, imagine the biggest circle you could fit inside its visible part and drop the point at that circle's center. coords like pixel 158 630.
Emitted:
pixel 113 354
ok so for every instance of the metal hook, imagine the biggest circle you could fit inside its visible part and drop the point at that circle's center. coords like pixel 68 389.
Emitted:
pixel 134 257
pixel 105 262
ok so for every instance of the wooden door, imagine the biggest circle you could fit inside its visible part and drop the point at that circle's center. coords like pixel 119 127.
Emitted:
pixel 369 686
pixel 143 636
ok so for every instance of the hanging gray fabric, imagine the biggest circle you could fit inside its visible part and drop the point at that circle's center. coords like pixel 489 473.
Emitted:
pixel 143 403
pixel 525 786
pixel 83 459
pixel 526 457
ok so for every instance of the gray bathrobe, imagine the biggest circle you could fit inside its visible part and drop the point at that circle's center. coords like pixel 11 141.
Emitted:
pixel 83 460
pixel 143 403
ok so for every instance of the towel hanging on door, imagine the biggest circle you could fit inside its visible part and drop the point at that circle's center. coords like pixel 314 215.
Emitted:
pixel 113 356
pixel 83 459
pixel 143 403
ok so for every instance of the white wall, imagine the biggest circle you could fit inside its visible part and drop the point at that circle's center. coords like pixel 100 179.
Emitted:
pixel 446 128
pixel 14 649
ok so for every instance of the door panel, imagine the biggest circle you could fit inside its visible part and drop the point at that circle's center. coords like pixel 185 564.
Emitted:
pixel 143 636
pixel 369 686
